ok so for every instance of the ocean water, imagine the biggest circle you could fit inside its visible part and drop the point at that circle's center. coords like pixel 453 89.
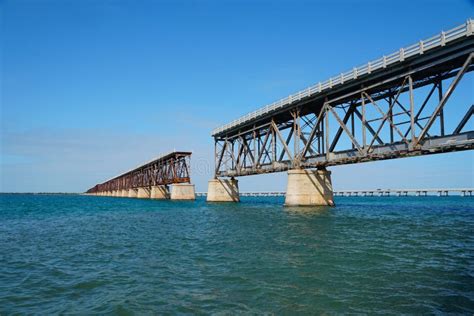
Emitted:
pixel 104 255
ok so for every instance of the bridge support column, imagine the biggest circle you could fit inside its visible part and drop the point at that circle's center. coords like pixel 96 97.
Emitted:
pixel 160 192
pixel 132 193
pixel 223 190
pixel 309 187
pixel 183 191
pixel 124 193
pixel 143 193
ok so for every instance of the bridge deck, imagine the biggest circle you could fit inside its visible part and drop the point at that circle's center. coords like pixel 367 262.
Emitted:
pixel 391 108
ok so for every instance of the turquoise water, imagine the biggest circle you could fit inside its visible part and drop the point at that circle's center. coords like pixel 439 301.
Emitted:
pixel 83 254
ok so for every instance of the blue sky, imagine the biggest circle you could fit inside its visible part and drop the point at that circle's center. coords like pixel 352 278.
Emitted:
pixel 90 89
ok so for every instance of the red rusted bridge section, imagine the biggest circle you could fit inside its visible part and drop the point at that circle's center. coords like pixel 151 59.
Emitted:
pixel 172 168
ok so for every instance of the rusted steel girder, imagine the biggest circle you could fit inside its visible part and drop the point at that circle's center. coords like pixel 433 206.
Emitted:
pixel 167 169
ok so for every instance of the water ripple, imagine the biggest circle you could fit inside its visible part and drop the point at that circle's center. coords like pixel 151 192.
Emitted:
pixel 95 255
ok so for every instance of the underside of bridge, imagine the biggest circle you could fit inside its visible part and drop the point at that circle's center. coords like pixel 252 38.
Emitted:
pixel 402 105
pixel 152 180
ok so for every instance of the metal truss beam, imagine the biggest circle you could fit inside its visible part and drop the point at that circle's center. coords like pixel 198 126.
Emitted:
pixel 167 169
pixel 391 117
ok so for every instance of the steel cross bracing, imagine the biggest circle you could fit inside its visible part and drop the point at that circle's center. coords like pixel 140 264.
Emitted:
pixel 399 111
pixel 167 169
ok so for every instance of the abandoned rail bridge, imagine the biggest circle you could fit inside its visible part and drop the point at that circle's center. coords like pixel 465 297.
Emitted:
pixel 152 180
pixel 392 107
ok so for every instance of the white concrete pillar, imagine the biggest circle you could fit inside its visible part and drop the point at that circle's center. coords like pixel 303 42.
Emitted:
pixel 223 190
pixel 132 193
pixel 183 191
pixel 309 187
pixel 160 192
pixel 124 193
pixel 143 193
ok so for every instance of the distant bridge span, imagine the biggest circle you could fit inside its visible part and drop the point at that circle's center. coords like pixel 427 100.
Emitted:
pixel 466 192
pixel 392 107
pixel 151 180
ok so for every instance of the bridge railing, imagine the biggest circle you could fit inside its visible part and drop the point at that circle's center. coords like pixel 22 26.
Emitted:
pixel 421 47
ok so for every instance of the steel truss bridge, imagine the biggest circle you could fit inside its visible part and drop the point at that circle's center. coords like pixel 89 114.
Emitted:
pixel 396 106
pixel 167 169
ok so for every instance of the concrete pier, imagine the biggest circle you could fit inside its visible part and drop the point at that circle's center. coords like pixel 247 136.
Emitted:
pixel 132 193
pixel 223 190
pixel 143 193
pixel 124 193
pixel 309 187
pixel 183 191
pixel 160 192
